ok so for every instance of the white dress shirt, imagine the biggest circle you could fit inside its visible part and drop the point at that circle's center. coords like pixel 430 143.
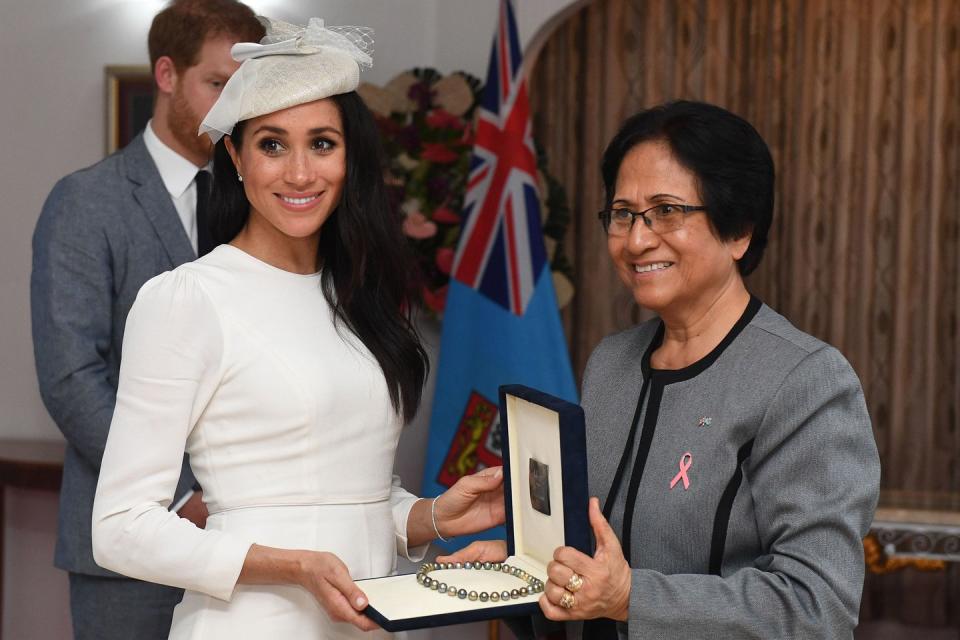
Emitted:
pixel 178 176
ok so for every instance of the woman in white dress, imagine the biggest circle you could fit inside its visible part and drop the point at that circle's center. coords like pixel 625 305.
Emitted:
pixel 285 364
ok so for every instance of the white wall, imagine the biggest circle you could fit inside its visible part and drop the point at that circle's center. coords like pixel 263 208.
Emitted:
pixel 52 115
pixel 466 29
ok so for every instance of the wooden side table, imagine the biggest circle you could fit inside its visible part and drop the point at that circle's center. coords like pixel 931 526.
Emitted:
pixel 27 464
pixel 914 528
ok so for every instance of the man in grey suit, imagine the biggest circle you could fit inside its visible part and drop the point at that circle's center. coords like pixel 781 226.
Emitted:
pixel 103 232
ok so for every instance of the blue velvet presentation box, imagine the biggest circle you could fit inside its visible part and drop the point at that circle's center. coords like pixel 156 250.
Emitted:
pixel 545 490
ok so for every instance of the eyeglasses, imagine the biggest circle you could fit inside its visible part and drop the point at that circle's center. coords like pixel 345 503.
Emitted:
pixel 660 218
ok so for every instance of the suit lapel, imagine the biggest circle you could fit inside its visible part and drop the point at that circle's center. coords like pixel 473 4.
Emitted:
pixel 155 202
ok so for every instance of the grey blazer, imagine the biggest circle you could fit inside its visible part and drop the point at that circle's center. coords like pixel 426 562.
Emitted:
pixel 764 540
pixel 103 232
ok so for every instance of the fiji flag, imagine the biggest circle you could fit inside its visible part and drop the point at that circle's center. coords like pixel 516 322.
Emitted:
pixel 501 323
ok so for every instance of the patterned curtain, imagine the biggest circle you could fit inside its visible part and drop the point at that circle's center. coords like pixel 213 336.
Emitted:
pixel 859 101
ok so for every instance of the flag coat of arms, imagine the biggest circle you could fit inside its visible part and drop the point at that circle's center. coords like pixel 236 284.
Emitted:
pixel 501 324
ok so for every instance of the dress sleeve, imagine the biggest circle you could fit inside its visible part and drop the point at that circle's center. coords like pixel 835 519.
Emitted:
pixel 401 501
pixel 814 474
pixel 171 366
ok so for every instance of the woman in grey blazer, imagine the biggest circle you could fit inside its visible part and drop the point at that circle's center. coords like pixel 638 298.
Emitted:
pixel 745 472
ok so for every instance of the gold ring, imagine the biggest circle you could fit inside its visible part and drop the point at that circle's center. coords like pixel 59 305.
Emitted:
pixel 575 583
pixel 567 601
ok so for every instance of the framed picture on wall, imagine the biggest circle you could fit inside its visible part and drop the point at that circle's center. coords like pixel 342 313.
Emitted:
pixel 129 103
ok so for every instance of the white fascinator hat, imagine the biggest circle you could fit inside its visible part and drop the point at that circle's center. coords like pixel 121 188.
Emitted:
pixel 291 65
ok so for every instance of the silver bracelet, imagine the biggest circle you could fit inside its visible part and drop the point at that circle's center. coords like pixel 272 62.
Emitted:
pixel 433 518
pixel 534 584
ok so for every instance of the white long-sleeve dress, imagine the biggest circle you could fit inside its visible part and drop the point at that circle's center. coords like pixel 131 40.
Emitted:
pixel 290 432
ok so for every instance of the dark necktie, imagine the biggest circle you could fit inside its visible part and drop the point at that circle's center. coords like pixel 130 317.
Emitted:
pixel 204 234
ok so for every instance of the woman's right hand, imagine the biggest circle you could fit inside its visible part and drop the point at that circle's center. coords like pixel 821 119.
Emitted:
pixel 327 578
pixel 322 574
pixel 482 550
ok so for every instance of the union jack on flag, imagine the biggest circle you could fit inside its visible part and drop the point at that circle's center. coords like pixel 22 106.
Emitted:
pixel 501 252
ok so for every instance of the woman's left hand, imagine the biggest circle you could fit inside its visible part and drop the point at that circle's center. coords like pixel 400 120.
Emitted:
pixel 473 504
pixel 604 587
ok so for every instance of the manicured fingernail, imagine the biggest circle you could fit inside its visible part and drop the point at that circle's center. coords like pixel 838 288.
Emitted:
pixel 361 602
pixel 499 472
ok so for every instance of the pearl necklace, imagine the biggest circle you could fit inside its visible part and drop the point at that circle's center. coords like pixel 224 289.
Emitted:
pixel 534 585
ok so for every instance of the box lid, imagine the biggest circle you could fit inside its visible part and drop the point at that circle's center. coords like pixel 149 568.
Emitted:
pixel 545 473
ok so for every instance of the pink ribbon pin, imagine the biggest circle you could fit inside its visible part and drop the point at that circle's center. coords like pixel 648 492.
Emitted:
pixel 685 461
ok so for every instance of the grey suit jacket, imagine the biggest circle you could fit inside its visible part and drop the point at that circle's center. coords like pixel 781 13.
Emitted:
pixel 765 541
pixel 103 232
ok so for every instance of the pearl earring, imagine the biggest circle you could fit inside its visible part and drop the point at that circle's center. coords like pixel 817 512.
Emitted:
pixel 239 177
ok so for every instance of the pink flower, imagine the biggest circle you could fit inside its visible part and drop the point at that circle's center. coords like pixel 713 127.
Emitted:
pixel 445 215
pixel 436 152
pixel 417 226
pixel 436 300
pixel 444 260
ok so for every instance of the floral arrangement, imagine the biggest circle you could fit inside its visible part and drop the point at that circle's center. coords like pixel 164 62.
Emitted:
pixel 426 124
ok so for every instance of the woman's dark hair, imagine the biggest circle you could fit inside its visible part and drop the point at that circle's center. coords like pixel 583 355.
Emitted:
pixel 731 161
pixel 367 266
